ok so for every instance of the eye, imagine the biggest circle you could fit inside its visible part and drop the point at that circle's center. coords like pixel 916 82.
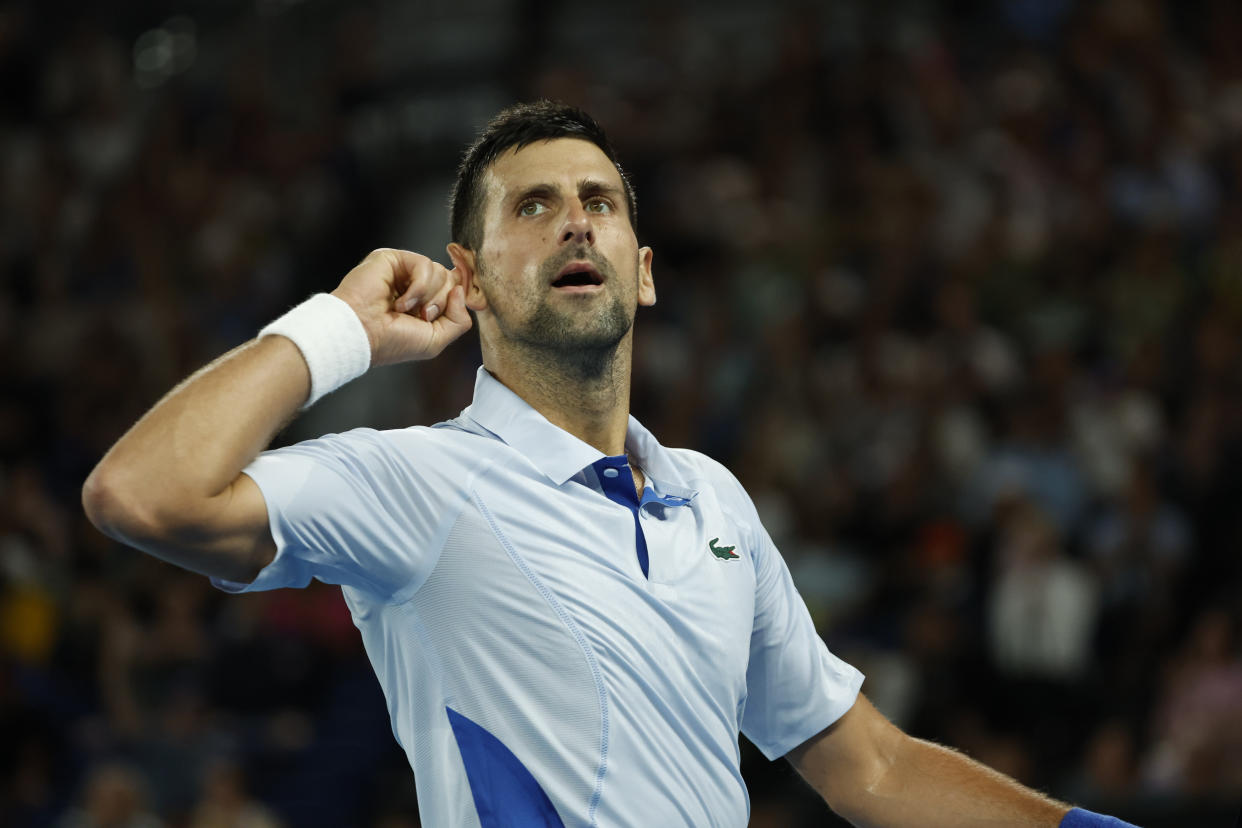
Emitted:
pixel 599 205
pixel 532 208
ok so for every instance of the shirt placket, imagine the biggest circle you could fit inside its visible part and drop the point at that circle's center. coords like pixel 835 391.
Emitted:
pixel 617 482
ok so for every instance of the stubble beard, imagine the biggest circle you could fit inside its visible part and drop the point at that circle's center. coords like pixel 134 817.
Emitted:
pixel 580 342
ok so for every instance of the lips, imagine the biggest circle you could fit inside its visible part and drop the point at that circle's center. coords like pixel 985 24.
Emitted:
pixel 577 275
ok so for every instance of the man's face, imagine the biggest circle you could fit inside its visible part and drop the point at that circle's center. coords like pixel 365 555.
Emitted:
pixel 560 267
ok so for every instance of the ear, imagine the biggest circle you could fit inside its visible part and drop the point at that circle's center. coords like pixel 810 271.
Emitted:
pixel 646 284
pixel 464 264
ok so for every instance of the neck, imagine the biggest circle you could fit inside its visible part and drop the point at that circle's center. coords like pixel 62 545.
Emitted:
pixel 586 393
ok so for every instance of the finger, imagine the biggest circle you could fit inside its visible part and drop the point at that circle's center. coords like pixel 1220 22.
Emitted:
pixel 396 268
pixel 404 263
pixel 428 282
pixel 416 280
pixel 456 319
pixel 412 338
pixel 434 304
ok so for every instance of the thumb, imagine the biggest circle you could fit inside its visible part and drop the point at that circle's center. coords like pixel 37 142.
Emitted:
pixel 455 319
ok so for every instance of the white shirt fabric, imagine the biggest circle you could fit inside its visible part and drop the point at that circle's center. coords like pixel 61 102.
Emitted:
pixel 491 577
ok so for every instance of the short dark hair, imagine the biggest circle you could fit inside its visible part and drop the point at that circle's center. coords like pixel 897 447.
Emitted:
pixel 516 127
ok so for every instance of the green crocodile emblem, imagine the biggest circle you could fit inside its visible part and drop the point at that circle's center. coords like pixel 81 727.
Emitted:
pixel 725 553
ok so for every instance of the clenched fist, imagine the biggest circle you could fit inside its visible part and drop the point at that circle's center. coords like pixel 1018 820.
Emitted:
pixel 410 306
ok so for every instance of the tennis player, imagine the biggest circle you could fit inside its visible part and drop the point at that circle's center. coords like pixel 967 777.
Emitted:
pixel 570 621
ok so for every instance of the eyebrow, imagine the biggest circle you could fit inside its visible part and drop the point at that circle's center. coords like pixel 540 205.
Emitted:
pixel 592 187
pixel 587 188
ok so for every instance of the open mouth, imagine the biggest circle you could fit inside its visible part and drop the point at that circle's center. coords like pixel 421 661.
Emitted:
pixel 578 275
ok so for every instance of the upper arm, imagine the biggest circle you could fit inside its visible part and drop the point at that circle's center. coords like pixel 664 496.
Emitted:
pixel 239 536
pixel 224 536
pixel 849 756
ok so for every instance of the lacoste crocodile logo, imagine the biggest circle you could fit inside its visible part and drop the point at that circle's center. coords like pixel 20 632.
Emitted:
pixel 725 553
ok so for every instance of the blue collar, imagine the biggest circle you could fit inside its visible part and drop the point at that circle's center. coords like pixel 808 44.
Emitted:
pixel 559 454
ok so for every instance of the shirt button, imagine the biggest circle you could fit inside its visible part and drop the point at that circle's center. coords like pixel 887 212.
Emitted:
pixel 610 472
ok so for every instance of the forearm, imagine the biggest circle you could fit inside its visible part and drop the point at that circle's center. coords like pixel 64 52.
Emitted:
pixel 928 785
pixel 874 775
pixel 185 454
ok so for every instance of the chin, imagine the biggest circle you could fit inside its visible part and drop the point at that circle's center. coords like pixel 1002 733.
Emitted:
pixel 555 330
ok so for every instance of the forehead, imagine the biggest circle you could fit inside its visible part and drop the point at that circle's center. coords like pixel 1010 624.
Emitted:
pixel 560 161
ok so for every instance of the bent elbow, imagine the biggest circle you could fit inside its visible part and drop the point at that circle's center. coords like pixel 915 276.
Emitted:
pixel 161 519
pixel 114 508
pixel 101 502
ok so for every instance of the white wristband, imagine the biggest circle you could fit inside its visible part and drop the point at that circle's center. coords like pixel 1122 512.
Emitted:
pixel 332 341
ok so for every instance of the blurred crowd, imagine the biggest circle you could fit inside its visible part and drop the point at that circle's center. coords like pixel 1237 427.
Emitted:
pixel 954 288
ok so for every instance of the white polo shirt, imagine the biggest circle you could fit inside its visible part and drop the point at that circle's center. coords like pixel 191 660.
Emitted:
pixel 533 673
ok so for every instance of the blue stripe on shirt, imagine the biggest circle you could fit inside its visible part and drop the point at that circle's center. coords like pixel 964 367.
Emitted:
pixel 505 793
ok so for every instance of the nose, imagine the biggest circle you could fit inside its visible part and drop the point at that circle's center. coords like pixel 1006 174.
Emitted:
pixel 578 227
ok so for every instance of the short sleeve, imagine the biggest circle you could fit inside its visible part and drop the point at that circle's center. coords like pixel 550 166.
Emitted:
pixel 795 687
pixel 364 509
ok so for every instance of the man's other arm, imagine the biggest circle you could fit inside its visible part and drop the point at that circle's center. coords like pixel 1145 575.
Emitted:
pixel 173 484
pixel 873 774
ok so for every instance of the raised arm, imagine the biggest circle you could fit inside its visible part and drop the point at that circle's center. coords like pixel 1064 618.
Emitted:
pixel 873 774
pixel 173 484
